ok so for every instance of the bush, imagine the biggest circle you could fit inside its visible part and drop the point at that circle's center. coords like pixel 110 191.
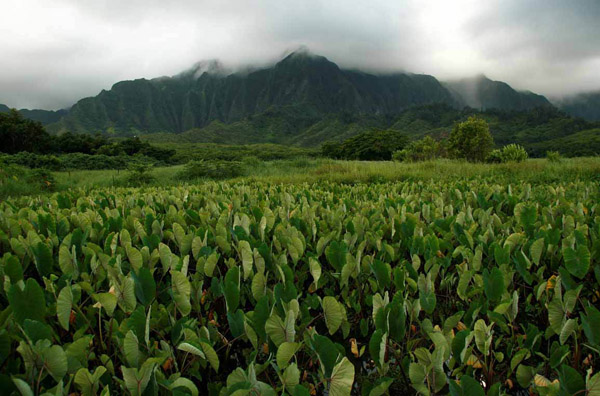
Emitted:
pixel 494 157
pixel 211 170
pixel 139 175
pixel 553 156
pixel 420 150
pixel 471 140
pixel 513 153
pixel 43 178
pixel 368 146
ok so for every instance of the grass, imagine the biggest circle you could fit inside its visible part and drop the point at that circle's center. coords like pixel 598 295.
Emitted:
pixel 314 170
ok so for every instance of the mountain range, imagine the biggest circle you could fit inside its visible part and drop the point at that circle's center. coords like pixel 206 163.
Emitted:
pixel 303 99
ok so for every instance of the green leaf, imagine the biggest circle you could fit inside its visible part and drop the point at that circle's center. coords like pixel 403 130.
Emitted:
pixel 377 347
pixel 66 262
pixel 23 387
pixel 536 251
pixel 211 355
pixel 285 352
pixel 428 301
pixel 593 385
pixel 525 375
pixel 64 304
pixel 577 261
pixel 193 348
pixel 259 282
pixel 247 258
pixel 342 378
pixel 145 285
pixel 291 376
pixel 336 254
pixel 183 382
pixel 28 303
pixel 570 380
pixel 278 331
pixel 135 258
pixel 108 301
pixel 131 349
pixel 332 311
pixel 568 328
pixel 211 263
pixel 232 288
pixel 181 288
pixel 315 271
pixel 493 284
pixel 327 353
pixel 37 330
pixel 136 380
pixel 591 325
pixel 483 336
pixel 55 361
pixel 43 259
pixel 382 274
pixel 556 315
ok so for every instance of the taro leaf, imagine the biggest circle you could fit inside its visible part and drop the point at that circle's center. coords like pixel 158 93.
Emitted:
pixel 502 254
pixel 577 261
pixel 458 344
pixel 468 387
pixel 259 282
pixel 5 346
pixel 493 284
pixel 108 301
pixel 232 288
pixel 591 325
pixel 518 357
pixel 483 336
pixel 136 380
pixel 428 301
pixel 66 262
pixel 183 382
pixel 417 373
pixel 285 352
pixel 135 258
pixel 593 385
pixel 568 328
pixel 22 386
pixel 536 250
pixel 181 288
pixel 145 285
pixel 570 380
pixel 247 258
pixel 210 264
pixel 327 353
pixel 193 348
pixel 13 269
pixel 64 303
pixel 131 349
pixel 37 330
pixel 300 390
pixel 28 303
pixel 525 375
pixel 278 331
pixel 396 321
pixel 211 355
pixel 556 315
pixel 55 361
pixel 336 254
pixel 291 376
pixel 377 347
pixel 315 271
pixel 382 274
pixel 342 378
pixel 236 322
pixel 332 311
pixel 87 382
pixel 43 258
pixel 380 387
pixel 559 354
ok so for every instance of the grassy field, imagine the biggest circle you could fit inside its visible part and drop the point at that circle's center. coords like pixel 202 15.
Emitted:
pixel 313 170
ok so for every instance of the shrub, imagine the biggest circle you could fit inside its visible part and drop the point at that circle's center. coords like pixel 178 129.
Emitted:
pixel 471 140
pixel 553 156
pixel 494 157
pixel 211 170
pixel 513 153
pixel 368 146
pixel 139 175
pixel 420 150
pixel 42 178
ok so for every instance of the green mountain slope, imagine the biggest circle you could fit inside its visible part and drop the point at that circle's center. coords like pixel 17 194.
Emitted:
pixel 46 117
pixel 482 93
pixel 311 84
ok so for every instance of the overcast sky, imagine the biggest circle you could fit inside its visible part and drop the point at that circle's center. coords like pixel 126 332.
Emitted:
pixel 54 52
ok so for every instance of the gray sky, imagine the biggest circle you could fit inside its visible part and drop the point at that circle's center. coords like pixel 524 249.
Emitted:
pixel 54 52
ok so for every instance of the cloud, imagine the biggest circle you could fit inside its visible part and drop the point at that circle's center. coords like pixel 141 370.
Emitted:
pixel 54 53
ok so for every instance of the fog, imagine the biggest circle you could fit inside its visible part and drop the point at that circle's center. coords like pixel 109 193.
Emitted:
pixel 54 53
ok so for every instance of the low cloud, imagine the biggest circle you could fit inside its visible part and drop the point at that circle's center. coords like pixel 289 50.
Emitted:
pixel 54 53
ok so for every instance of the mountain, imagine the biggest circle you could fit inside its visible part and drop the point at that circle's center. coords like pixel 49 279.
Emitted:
pixel 482 93
pixel 307 84
pixel 46 117
pixel 585 105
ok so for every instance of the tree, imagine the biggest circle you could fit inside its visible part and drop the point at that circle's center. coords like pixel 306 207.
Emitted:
pixel 426 149
pixel 367 146
pixel 20 134
pixel 471 140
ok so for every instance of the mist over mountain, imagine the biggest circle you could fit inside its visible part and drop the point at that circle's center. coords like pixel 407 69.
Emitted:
pixel 585 105
pixel 482 93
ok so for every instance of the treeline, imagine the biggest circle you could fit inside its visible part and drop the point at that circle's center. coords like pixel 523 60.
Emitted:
pixel 19 134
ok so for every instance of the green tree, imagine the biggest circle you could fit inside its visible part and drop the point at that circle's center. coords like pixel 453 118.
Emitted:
pixel 372 146
pixel 471 140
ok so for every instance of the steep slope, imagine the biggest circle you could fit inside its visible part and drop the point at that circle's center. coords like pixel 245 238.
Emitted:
pixel 44 116
pixel 311 85
pixel 585 105
pixel 482 93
